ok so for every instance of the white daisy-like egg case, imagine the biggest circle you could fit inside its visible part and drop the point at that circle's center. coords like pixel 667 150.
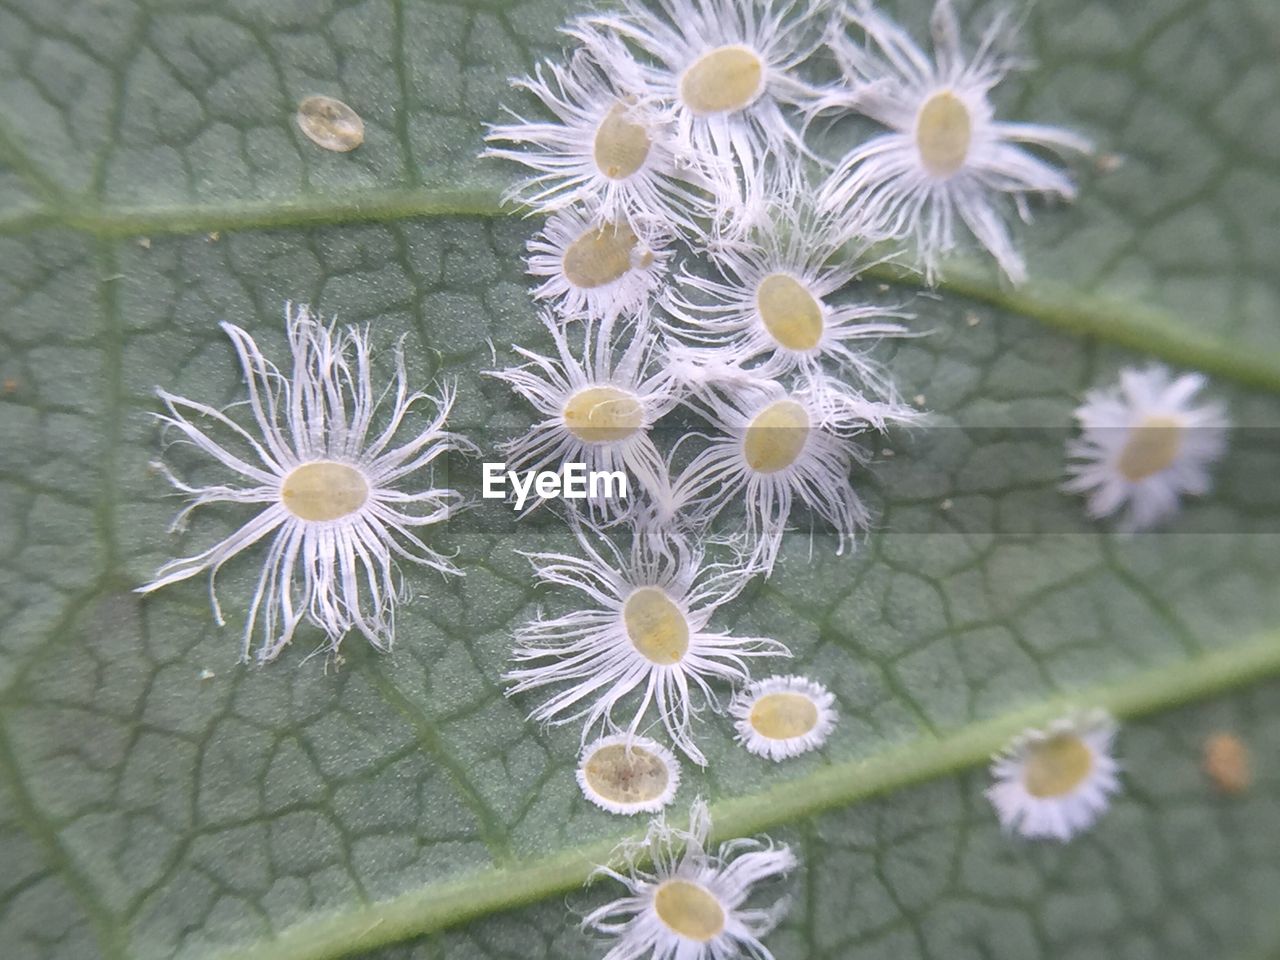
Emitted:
pixel 781 717
pixel 1056 782
pixel 691 903
pixel 628 774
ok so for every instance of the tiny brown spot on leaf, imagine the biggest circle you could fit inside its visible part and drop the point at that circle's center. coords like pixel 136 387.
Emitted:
pixel 1226 762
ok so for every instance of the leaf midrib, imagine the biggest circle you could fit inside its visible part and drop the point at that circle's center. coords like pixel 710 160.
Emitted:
pixel 1141 327
pixel 436 906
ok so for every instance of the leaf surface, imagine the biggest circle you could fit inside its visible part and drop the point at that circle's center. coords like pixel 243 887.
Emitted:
pixel 159 800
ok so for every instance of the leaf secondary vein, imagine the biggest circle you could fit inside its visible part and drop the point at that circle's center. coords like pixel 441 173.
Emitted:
pixel 109 936
pixel 490 830
pixel 437 906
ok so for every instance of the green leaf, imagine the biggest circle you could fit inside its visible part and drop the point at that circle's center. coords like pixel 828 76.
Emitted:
pixel 157 799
